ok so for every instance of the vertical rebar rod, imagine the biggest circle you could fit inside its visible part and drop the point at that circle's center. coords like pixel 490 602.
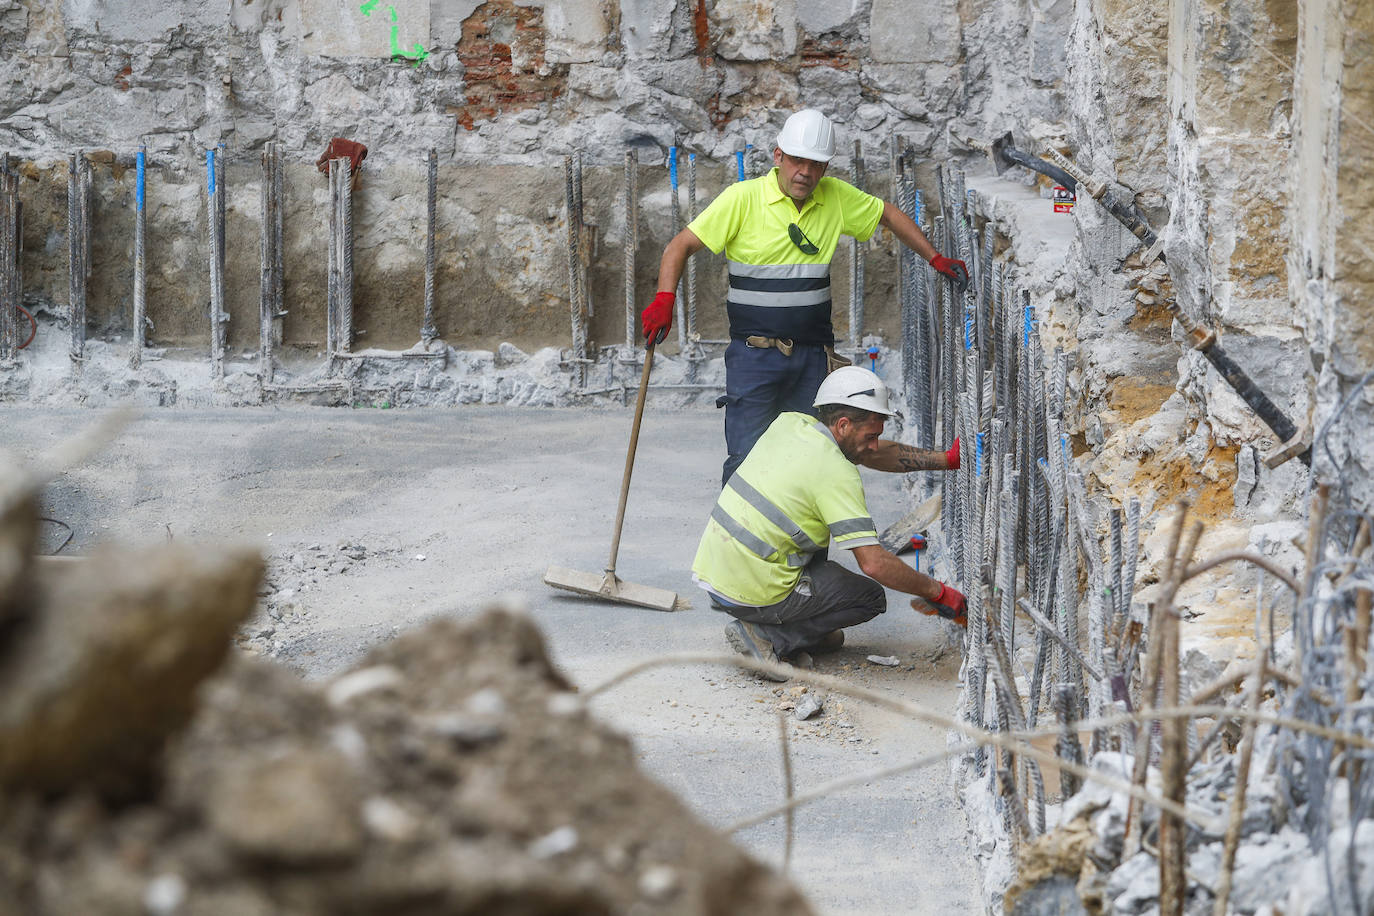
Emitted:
pixel 693 332
pixel 345 255
pixel 332 308
pixel 1132 548
pixel 676 212
pixel 140 264
pixel 857 251
pixel 631 243
pixel 579 323
pixel 1068 746
pixel 278 247
pixel 1006 565
pixel 9 262
pixel 76 257
pixel 266 252
pixel 428 331
pixel 213 187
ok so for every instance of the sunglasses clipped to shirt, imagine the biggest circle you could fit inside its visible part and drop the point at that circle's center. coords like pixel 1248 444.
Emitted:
pixel 794 232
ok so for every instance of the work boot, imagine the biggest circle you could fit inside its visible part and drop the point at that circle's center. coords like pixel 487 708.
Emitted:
pixel 746 640
pixel 830 642
pixel 801 659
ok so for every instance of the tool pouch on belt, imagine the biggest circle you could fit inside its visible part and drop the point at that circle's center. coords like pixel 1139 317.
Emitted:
pixel 783 345
pixel 834 360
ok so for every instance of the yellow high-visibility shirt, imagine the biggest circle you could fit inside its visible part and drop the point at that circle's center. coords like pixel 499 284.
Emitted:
pixel 776 289
pixel 795 494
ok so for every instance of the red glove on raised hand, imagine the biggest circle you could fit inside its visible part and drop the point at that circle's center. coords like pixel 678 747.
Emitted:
pixel 657 317
pixel 949 604
pixel 952 456
pixel 955 270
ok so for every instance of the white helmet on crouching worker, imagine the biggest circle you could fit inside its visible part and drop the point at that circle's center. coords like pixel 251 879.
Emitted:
pixel 808 134
pixel 854 386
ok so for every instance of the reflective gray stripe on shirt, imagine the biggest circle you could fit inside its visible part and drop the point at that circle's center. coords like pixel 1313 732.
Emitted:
pixel 755 544
pixel 851 526
pixel 768 510
pixel 779 285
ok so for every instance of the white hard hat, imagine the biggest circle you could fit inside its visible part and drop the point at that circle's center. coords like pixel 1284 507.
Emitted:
pixel 808 134
pixel 854 386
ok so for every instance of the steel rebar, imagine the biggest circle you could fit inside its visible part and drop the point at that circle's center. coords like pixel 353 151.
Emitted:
pixel 77 248
pixel 346 256
pixel 267 262
pixel 428 331
pixel 632 243
pixel 579 318
pixel 857 254
pixel 693 332
pixel 10 233
pixel 332 305
pixel 676 218
pixel 139 328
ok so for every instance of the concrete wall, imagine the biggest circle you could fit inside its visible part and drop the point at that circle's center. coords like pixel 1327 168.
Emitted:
pixel 503 90
pixel 1331 259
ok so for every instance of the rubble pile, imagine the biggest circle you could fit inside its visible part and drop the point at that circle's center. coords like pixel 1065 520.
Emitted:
pixel 148 767
pixel 1082 865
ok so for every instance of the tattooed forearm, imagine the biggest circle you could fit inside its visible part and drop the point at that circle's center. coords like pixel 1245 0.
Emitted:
pixel 911 458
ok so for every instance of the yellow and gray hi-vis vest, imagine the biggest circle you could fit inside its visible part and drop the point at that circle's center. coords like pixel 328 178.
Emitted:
pixel 776 289
pixel 794 495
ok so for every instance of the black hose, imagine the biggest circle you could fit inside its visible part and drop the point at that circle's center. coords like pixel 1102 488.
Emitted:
pixel 1040 165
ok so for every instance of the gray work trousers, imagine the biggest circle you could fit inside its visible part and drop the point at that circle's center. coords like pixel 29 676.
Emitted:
pixel 827 597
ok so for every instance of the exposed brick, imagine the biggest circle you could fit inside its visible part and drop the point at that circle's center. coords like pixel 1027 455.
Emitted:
pixel 502 51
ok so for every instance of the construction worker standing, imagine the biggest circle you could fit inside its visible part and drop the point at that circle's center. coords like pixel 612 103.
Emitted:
pixel 779 232
pixel 763 554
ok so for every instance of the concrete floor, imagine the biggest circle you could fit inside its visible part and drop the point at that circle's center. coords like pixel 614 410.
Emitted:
pixel 490 497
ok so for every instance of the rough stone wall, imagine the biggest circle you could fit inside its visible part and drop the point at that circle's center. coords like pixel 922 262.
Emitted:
pixel 502 90
pixel 1331 261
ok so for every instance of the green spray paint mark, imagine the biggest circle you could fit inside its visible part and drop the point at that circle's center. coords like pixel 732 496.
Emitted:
pixel 418 54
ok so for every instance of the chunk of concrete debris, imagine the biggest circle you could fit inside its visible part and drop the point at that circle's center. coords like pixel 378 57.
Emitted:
pixel 357 683
pixel 887 661
pixel 107 666
pixel 808 705
pixel 556 843
pixel 297 809
pixel 659 883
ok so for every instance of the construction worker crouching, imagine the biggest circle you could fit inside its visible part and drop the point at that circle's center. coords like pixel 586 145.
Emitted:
pixel 763 554
pixel 779 232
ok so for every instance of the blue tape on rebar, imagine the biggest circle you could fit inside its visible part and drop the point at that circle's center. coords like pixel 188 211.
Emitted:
pixel 672 166
pixel 739 163
pixel 210 170
pixel 1030 322
pixel 138 192
pixel 978 455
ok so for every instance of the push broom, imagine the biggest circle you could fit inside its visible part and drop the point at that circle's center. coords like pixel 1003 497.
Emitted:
pixel 608 585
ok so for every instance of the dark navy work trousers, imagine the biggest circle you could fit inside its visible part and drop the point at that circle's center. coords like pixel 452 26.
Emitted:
pixel 761 383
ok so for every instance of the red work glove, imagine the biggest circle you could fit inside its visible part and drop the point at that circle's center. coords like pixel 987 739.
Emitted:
pixel 955 270
pixel 949 604
pixel 952 456
pixel 657 317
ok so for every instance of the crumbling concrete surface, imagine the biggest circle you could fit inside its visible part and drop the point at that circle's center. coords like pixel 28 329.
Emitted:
pixel 453 771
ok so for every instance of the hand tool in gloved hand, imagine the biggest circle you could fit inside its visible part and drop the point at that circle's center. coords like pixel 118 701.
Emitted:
pixel 608 585
pixel 955 270
pixel 949 604
pixel 897 536
pixel 657 318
